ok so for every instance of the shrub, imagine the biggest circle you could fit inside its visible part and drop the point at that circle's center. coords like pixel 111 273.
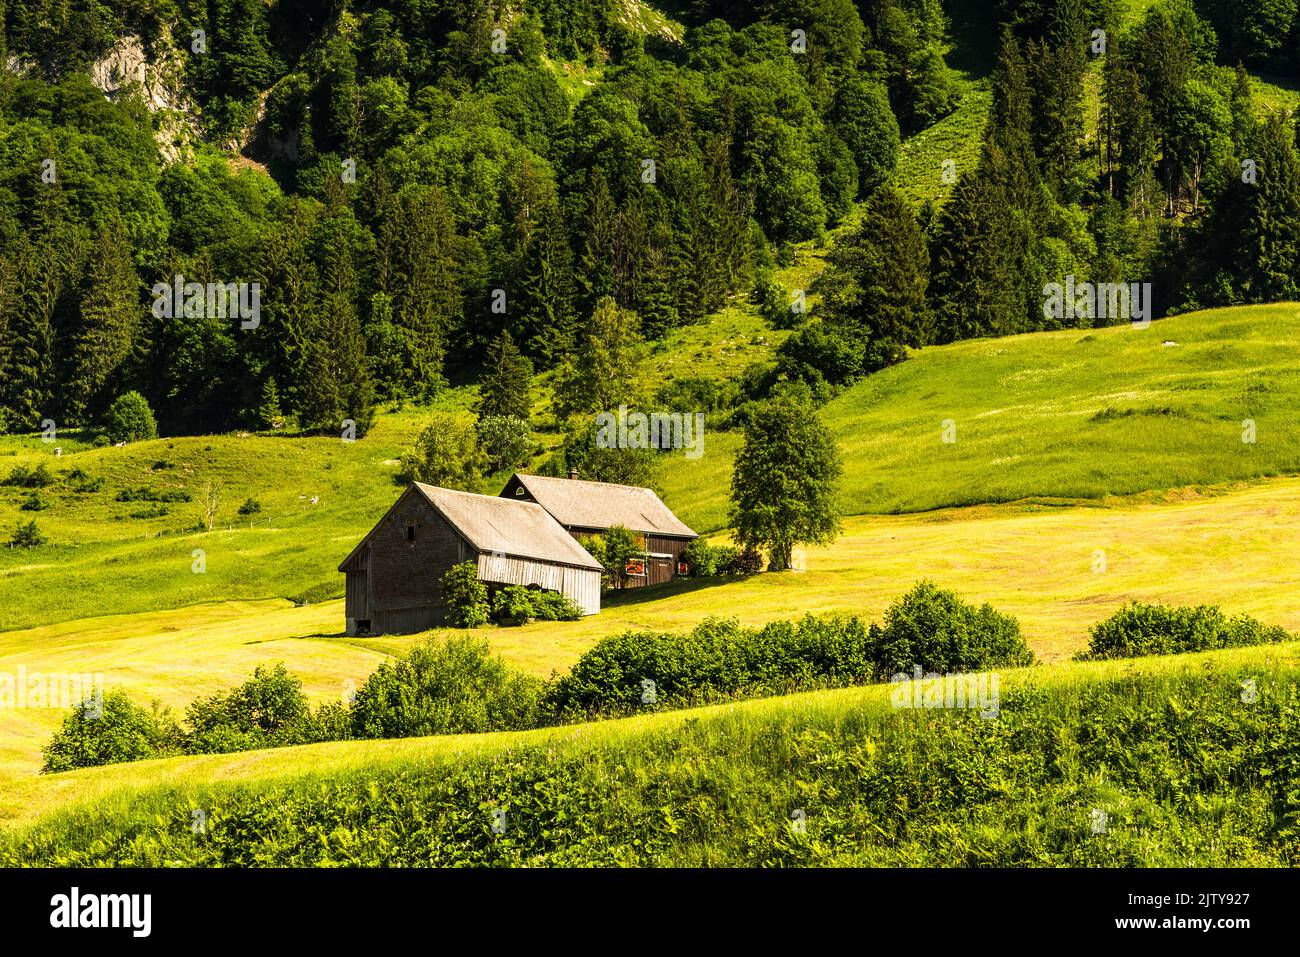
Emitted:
pixel 27 536
pixel 691 394
pixel 707 560
pixel 552 606
pixel 262 712
pixel 747 561
pixel 109 732
pixel 446 454
pixel 521 605
pixel 251 506
pixel 34 502
pixel 1140 629
pixel 717 660
pixel 153 495
pixel 151 511
pixel 129 419
pixel 21 477
pixel 447 686
pixel 614 549
pixel 513 603
pixel 464 596
pixel 937 631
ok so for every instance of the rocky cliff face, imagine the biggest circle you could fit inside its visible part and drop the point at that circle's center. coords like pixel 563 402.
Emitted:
pixel 158 75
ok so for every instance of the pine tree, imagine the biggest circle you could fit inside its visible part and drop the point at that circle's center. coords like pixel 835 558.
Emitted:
pixel 107 325
pixel 506 386
pixel 28 386
pixel 875 286
pixel 548 311
pixel 599 237
pixel 269 413
pixel 1273 217
pixel 336 386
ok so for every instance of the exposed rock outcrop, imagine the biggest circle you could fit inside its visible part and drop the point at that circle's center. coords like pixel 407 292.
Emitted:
pixel 158 75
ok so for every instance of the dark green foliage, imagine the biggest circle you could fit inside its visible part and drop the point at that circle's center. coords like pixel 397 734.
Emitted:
pixel 934 630
pixel 108 728
pixel 1140 629
pixel 34 502
pixel 464 596
pixel 506 386
pixel 146 494
pixel 27 535
pixel 451 686
pixel 518 605
pixel 875 286
pixel 22 477
pixel 866 124
pixel 265 711
pixel 717 660
pixel 251 506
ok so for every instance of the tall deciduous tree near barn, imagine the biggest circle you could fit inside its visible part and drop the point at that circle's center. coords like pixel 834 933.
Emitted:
pixel 785 485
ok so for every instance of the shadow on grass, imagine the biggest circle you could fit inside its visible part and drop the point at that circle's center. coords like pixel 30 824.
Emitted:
pixel 627 597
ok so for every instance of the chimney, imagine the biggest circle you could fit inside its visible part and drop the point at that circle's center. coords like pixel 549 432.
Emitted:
pixel 573 473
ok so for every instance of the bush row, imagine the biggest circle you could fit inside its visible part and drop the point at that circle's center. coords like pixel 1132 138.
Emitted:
pixel 927 628
pixel 456 686
pixel 1184 772
pixel 1140 629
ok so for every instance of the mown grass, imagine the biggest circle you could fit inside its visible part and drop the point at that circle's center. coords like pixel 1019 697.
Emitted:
pixel 1192 764
pixel 921 174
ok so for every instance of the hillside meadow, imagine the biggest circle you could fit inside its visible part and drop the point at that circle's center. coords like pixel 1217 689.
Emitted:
pixel 1185 757
pixel 1068 416
pixel 1038 563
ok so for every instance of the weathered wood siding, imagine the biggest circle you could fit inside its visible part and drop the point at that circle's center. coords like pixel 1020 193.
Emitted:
pixel 582 585
pixel 403 578
pixel 357 592
pixel 661 564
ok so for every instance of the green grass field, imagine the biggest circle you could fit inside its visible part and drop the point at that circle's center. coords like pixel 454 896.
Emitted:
pixel 717 786
pixel 1076 415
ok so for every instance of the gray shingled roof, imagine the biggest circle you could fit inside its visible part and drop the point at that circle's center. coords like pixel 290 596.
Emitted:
pixel 579 504
pixel 518 529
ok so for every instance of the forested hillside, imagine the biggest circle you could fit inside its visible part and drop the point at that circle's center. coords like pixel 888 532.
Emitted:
pixel 428 192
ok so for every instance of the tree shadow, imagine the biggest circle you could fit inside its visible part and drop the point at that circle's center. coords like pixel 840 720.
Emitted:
pixel 628 597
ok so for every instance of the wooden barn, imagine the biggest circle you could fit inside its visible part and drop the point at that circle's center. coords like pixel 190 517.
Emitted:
pixel 590 508
pixel 394 576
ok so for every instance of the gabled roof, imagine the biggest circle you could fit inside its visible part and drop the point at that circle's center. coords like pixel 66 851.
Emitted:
pixel 491 524
pixel 519 529
pixel 579 504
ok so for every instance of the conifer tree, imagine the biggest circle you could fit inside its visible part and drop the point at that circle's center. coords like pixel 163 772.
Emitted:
pixel 107 325
pixel 506 386
pixel 875 285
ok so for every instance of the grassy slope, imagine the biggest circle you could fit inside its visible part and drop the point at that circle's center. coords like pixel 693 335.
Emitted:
pixel 1037 563
pixel 1072 415
pixel 145 795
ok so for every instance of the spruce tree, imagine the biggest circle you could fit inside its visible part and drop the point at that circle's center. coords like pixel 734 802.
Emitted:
pixel 1273 217
pixel 875 285
pixel 548 310
pixel 506 386
pixel 107 325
